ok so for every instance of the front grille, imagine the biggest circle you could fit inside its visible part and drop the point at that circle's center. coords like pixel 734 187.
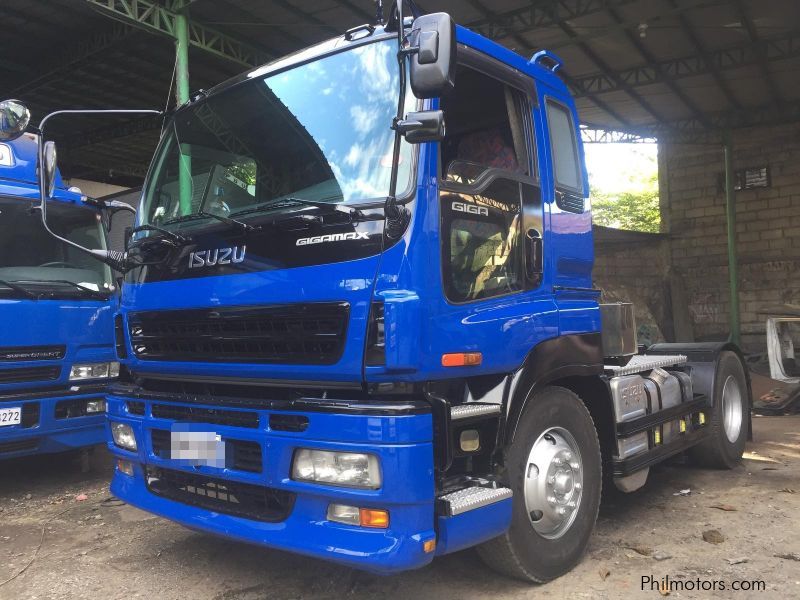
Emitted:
pixel 240 455
pixel 19 446
pixel 135 407
pixel 31 411
pixel 229 497
pixel 22 374
pixel 194 414
pixel 291 334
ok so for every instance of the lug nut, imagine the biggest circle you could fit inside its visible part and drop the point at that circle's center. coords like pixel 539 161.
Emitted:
pixel 567 455
pixel 575 466
pixel 558 461
pixel 551 480
pixel 561 510
pixel 577 486
pixel 551 499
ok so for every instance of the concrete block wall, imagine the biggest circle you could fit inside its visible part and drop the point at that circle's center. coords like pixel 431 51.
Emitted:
pixel 632 267
pixel 767 232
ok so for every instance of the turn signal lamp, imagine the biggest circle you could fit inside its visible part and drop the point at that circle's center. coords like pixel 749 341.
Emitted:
pixel 462 359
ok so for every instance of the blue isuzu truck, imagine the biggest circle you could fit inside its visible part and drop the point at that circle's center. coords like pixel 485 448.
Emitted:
pixel 351 332
pixel 56 310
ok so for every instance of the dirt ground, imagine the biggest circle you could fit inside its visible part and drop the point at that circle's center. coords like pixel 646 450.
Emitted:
pixel 100 548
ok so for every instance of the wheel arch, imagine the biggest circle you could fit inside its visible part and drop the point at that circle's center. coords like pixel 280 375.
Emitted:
pixel 571 361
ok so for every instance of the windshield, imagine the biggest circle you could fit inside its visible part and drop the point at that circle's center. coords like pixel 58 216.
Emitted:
pixel 320 132
pixel 32 258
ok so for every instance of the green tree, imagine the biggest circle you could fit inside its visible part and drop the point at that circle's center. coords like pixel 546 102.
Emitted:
pixel 632 203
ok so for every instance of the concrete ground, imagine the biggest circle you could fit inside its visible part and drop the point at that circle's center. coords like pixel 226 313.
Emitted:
pixel 55 545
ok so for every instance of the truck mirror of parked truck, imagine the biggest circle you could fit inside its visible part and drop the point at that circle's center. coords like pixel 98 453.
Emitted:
pixel 14 119
pixel 49 166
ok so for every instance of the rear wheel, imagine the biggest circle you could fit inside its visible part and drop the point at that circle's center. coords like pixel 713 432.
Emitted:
pixel 554 469
pixel 730 416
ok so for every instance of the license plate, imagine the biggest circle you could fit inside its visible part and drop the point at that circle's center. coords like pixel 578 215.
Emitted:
pixel 198 448
pixel 10 416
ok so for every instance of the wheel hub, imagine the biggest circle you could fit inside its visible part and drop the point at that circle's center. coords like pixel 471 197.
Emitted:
pixel 731 409
pixel 553 482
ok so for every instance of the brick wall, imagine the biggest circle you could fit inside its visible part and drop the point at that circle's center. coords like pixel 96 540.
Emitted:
pixel 632 267
pixel 768 229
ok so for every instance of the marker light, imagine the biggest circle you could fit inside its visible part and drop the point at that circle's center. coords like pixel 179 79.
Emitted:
pixel 94 371
pixel 349 469
pixel 123 436
pixel 462 359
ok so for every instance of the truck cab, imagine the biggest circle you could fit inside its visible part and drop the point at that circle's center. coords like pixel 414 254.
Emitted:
pixel 56 315
pixel 353 332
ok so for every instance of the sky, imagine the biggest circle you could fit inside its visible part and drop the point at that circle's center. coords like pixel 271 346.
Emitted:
pixel 612 167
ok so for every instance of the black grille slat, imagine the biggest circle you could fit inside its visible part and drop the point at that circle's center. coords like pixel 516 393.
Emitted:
pixel 194 414
pixel 241 455
pixel 19 446
pixel 23 374
pixel 253 502
pixel 135 407
pixel 31 412
pixel 293 334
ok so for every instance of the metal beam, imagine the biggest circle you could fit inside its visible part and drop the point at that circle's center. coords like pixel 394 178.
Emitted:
pixel 152 17
pixel 604 67
pixel 594 134
pixel 752 33
pixel 733 260
pixel 110 132
pixel 700 49
pixel 648 56
pixel 777 48
pixel 537 14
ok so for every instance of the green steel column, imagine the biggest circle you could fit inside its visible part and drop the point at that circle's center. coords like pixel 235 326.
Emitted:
pixel 733 261
pixel 182 95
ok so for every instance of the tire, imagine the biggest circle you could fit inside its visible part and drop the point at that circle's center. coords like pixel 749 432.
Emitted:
pixel 725 446
pixel 538 555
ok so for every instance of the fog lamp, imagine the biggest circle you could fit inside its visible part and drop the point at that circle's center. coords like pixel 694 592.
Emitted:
pixel 95 406
pixel 348 469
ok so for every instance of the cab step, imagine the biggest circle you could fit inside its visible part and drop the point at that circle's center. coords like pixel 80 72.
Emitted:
pixel 473 410
pixel 471 498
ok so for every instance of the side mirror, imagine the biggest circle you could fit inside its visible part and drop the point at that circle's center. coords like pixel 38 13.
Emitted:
pixel 49 168
pixel 14 119
pixel 433 62
pixel 424 126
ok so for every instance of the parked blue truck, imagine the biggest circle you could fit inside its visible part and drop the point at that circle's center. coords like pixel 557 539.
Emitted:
pixel 351 332
pixel 56 315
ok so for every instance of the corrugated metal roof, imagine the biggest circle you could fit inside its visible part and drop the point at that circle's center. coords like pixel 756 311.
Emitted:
pixel 658 67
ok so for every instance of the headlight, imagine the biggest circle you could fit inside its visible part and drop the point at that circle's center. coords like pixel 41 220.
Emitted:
pixel 94 371
pixel 347 469
pixel 123 436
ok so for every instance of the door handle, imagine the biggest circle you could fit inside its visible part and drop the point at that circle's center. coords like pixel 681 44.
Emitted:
pixel 534 253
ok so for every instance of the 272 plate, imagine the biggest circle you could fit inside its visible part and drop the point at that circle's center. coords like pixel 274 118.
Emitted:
pixel 10 416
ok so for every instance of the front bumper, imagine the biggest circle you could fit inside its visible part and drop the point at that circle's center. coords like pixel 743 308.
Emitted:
pixel 402 442
pixel 41 432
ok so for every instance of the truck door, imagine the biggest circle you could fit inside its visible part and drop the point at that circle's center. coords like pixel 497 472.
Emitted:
pixel 492 217
pixel 571 247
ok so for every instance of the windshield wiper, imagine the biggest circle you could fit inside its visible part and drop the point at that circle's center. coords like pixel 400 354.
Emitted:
pixel 74 284
pixel 288 202
pixel 13 285
pixel 166 233
pixel 240 224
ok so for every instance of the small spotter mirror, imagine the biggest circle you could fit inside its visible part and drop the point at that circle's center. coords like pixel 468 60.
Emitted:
pixel 49 168
pixel 433 64
pixel 14 119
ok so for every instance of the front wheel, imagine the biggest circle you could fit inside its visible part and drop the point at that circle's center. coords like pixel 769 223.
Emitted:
pixel 555 470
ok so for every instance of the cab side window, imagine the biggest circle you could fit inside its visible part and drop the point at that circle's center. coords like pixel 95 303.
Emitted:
pixel 564 150
pixel 485 176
